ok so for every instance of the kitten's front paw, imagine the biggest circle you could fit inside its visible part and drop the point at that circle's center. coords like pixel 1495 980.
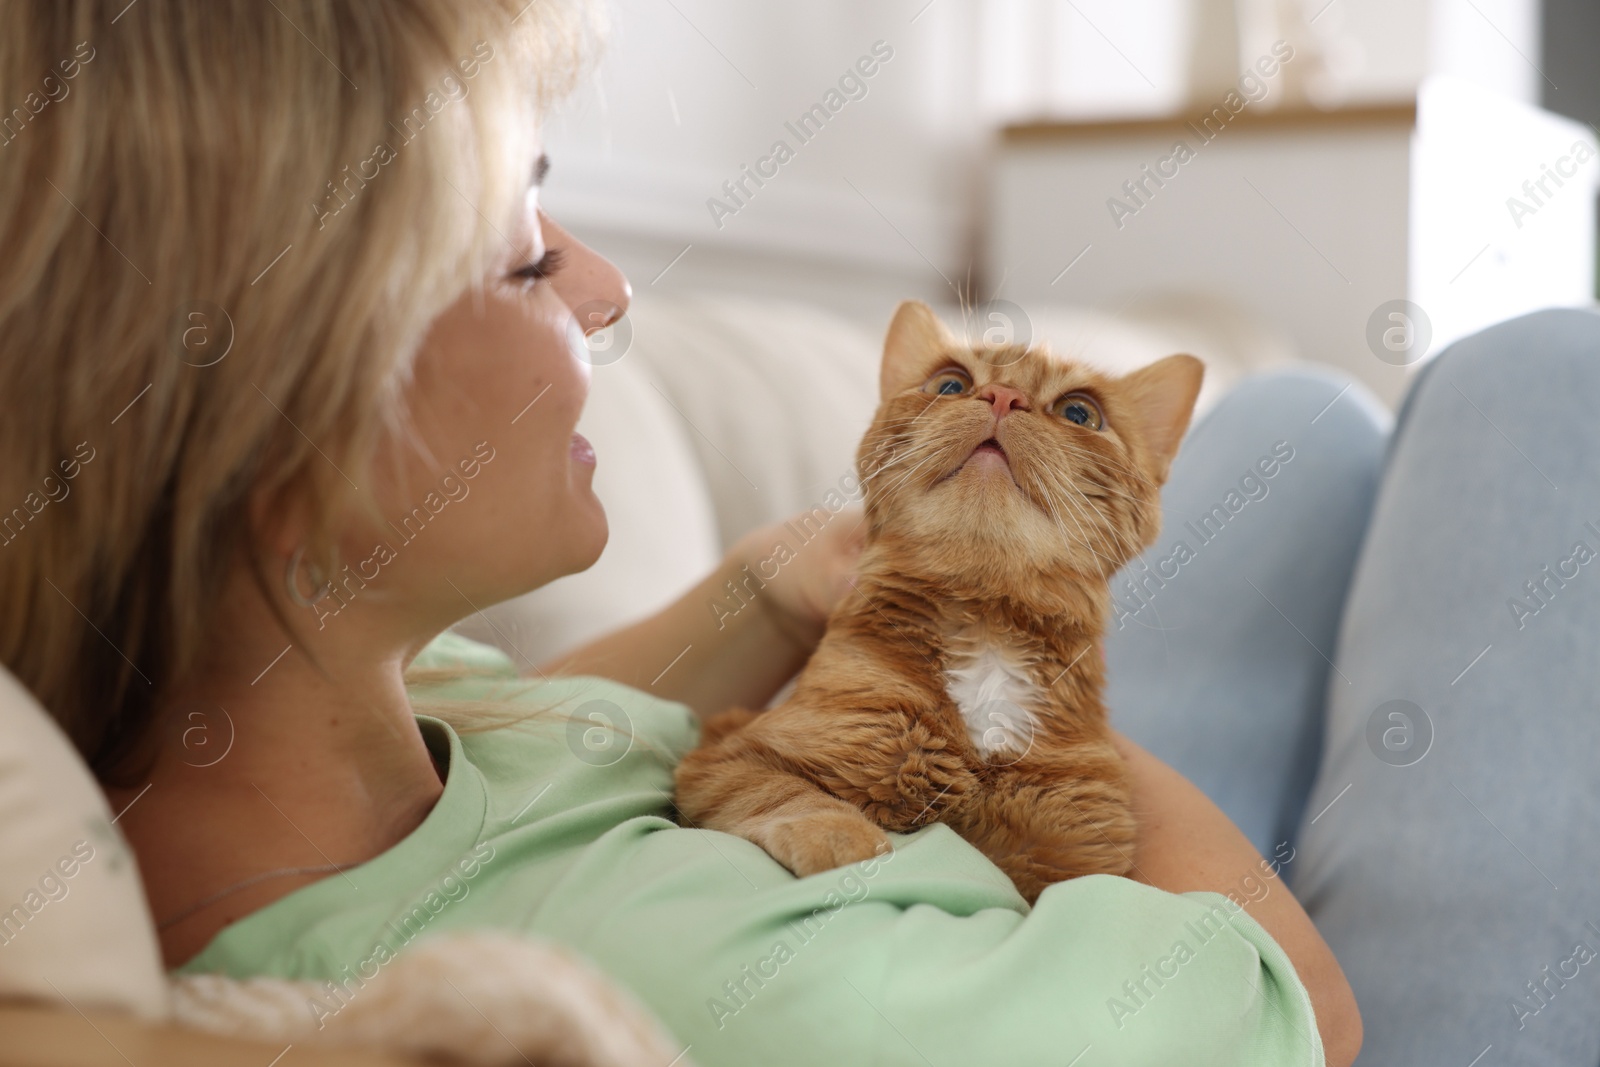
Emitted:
pixel 823 841
pixel 929 783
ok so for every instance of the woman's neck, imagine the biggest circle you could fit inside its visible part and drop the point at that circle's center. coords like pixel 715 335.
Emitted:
pixel 264 763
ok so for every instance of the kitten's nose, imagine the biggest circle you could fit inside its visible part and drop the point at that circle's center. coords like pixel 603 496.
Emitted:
pixel 1003 399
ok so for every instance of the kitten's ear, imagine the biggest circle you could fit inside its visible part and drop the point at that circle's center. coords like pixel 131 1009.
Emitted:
pixel 915 336
pixel 1161 399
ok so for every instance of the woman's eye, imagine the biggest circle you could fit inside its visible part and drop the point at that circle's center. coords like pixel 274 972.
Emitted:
pixel 1080 409
pixel 548 264
pixel 947 383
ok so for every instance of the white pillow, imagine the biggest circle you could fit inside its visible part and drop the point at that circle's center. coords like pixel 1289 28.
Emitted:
pixel 74 924
pixel 776 395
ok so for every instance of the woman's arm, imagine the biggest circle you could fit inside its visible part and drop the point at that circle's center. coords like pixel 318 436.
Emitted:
pixel 1186 844
pixel 713 648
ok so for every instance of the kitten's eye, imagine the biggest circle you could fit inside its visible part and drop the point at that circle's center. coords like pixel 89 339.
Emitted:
pixel 1079 408
pixel 950 382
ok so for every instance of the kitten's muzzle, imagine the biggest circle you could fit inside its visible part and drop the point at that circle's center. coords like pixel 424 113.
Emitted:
pixel 991 445
pixel 989 452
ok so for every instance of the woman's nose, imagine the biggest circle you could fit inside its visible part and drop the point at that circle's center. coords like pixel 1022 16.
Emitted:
pixel 588 283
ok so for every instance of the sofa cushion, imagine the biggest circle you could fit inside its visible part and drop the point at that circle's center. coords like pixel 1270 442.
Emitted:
pixel 74 924
pixel 775 395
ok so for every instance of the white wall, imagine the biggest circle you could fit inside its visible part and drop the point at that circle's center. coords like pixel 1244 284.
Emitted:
pixel 1102 58
pixel 1086 59
pixel 872 208
pixel 1492 43
pixel 882 204
pixel 1382 49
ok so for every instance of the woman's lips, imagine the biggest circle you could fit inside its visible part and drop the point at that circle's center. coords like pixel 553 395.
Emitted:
pixel 582 451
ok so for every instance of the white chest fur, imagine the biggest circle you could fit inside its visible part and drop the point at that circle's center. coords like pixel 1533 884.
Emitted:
pixel 991 686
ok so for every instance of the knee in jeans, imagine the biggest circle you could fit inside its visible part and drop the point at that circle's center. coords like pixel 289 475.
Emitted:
pixel 1556 351
pixel 1313 396
pixel 1294 385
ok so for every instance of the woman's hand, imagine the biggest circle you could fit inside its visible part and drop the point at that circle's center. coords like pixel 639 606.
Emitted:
pixel 802 580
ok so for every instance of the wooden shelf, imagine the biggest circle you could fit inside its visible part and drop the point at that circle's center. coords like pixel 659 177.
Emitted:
pixel 1276 120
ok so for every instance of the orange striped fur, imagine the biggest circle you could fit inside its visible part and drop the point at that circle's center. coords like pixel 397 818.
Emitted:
pixel 984 579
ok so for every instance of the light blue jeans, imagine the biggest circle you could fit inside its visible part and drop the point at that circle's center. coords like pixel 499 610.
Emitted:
pixel 1387 656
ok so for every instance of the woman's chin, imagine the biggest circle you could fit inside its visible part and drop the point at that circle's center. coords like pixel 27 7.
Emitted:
pixel 599 535
pixel 586 535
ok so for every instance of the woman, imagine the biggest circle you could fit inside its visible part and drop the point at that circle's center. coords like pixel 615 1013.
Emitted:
pixel 279 294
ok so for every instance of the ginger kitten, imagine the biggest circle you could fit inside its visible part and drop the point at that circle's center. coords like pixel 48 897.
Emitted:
pixel 961 682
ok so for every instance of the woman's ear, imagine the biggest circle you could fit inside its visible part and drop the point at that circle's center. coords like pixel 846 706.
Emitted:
pixel 1160 400
pixel 280 519
pixel 916 339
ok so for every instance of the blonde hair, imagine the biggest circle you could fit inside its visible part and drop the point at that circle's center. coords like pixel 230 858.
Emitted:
pixel 227 226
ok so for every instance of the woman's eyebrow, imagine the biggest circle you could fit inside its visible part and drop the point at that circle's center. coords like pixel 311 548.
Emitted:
pixel 541 167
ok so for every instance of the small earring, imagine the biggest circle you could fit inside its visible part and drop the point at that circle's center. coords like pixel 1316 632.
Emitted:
pixel 291 576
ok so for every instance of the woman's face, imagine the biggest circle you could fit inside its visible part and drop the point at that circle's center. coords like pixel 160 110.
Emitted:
pixel 492 495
